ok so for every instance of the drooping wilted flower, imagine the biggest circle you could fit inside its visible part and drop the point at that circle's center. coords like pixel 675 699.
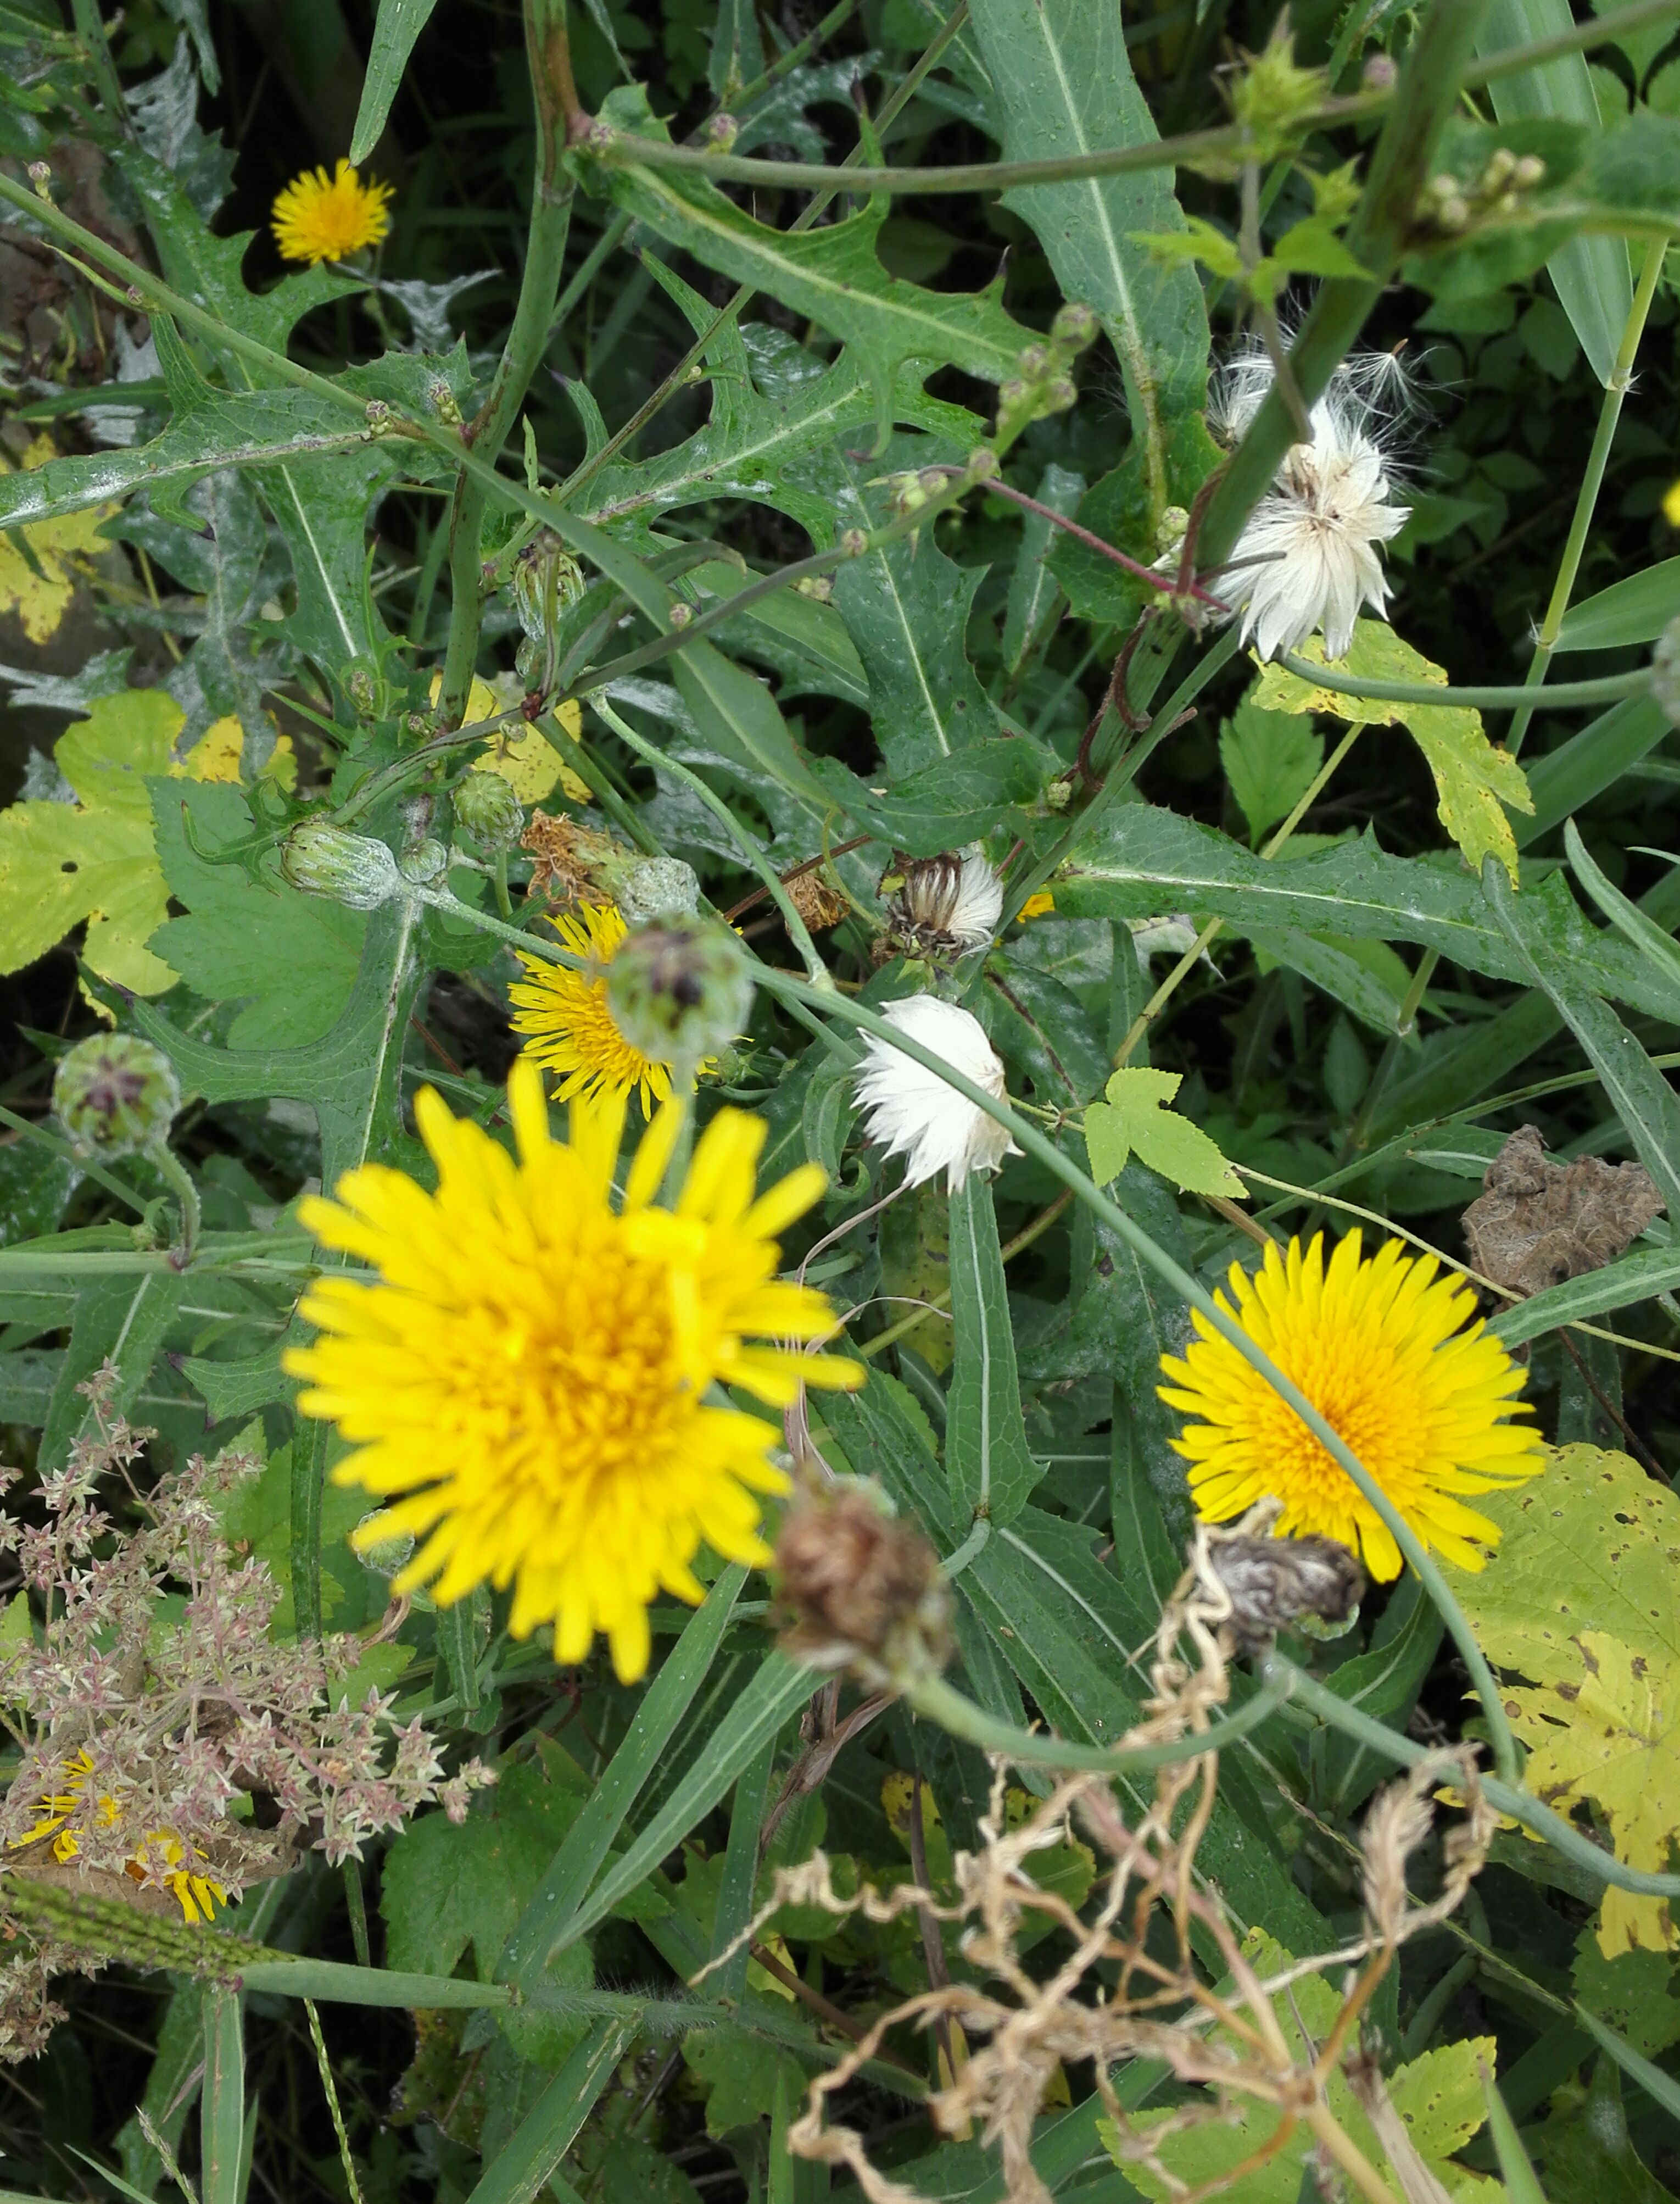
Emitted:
pixel 1307 560
pixel 943 906
pixel 913 1113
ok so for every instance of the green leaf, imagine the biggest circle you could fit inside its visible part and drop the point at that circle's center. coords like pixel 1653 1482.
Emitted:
pixel 990 1466
pixel 1635 1277
pixel 829 274
pixel 1652 944
pixel 1662 2089
pixel 121 1319
pixel 1633 611
pixel 401 23
pixel 1473 779
pixel 291 958
pixel 1637 1993
pixel 1063 80
pixel 1144 860
pixel 525 2165
pixel 1383 1683
pixel 1270 759
pixel 1033 590
pixel 1121 508
pixel 740 2075
pixel 1136 1117
pixel 943 805
pixel 1591 761
pixel 1313 248
pixel 1516 2168
pixel 1641 1097
pixel 1592 275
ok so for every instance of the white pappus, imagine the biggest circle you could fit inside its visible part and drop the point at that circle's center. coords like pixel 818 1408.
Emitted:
pixel 1307 558
pixel 913 1113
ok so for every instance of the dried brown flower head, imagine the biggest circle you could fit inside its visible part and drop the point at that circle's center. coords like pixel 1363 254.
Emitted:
pixel 1275 1581
pixel 940 907
pixel 862 1588
pixel 1536 1222
pixel 817 902
pixel 567 857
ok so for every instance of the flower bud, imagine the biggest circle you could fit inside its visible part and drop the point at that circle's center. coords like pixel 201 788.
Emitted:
pixel 114 1094
pixel 1171 530
pixel 1530 171
pixel 854 542
pixel 325 860
pixel 444 403
pixel 1032 360
pixel 1666 672
pixel 861 1589
pixel 678 991
pixel 487 812
pixel 1501 169
pixel 423 862
pixel 721 133
pixel 547 580
pixel 1075 328
pixel 1059 392
pixel 1381 73
pixel 659 888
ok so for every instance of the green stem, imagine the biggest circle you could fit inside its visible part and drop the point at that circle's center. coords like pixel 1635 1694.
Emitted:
pixel 785 987
pixel 499 883
pixel 181 1179
pixel 90 29
pixel 1609 689
pixel 1610 412
pixel 1305 1692
pixel 940 1701
pixel 68 1152
pixel 798 932
pixel 558 114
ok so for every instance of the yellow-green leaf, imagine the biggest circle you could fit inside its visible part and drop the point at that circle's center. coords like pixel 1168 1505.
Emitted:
pixel 1473 780
pixel 1578 1601
pixel 60 863
pixel 1136 1120
pixel 39 592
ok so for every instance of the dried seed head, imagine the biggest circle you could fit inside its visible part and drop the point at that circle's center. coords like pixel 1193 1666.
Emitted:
pixel 1274 1581
pixel 940 907
pixel 863 1589
pixel 817 902
pixel 569 859
pixel 114 1094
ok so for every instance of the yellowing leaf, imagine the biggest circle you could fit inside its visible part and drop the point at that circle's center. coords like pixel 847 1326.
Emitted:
pixel 60 863
pixel 41 600
pixel 526 759
pixel 1578 1601
pixel 1438 2097
pixel 1134 1119
pixel 1473 779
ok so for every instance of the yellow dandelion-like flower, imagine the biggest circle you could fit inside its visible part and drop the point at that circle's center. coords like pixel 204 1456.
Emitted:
pixel 568 1025
pixel 197 1895
pixel 323 217
pixel 1376 1348
pixel 532 1375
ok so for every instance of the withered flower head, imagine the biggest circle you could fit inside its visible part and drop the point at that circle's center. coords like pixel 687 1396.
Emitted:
pixel 568 857
pixel 940 907
pixel 1275 1581
pixel 863 1589
pixel 818 903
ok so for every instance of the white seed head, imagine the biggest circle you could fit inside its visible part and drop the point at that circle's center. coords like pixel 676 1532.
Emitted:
pixel 946 906
pixel 1307 560
pixel 913 1113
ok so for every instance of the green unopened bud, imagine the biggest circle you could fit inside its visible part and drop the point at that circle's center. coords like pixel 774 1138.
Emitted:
pixel 423 862
pixel 444 403
pixel 1171 530
pixel 487 812
pixel 385 1556
pixel 721 133
pixel 661 888
pixel 1059 394
pixel 360 683
pixel 1272 95
pixel 1666 672
pixel 1381 73
pixel 1075 327
pixel 679 991
pixel 1530 171
pixel 1032 360
pixel 1501 169
pixel 547 579
pixel 354 869
pixel 114 1094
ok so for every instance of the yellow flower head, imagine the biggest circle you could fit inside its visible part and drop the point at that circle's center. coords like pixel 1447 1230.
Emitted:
pixel 1376 1348
pixel 197 1895
pixel 533 1373
pixel 1036 905
pixel 323 217
pixel 569 1026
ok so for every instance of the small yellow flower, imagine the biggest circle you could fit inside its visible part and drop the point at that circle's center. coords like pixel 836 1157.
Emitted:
pixel 568 1025
pixel 1036 905
pixel 1672 505
pixel 533 1374
pixel 323 217
pixel 1376 1348
pixel 196 1894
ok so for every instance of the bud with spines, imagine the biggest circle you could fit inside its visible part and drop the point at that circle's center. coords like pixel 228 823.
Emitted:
pixel 678 991
pixel 115 1094
pixel 487 812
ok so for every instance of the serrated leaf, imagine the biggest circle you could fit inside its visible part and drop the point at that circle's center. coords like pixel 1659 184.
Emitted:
pixel 831 274
pixel 96 859
pixel 1063 80
pixel 1578 1600
pixel 1136 1117
pixel 1270 759
pixel 1473 779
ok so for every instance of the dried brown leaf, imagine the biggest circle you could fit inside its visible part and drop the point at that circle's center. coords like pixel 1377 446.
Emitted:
pixel 1536 1222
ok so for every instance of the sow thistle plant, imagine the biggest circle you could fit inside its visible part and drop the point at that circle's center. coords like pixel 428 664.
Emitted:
pixel 813 1306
